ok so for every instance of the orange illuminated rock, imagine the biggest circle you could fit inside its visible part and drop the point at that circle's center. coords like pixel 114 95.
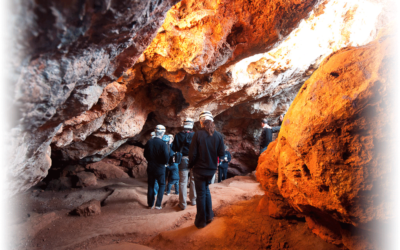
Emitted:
pixel 194 64
pixel 331 160
pixel 200 36
pixel 107 88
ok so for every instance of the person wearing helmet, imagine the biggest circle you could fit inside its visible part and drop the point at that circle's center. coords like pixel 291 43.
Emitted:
pixel 223 165
pixel 153 134
pixel 172 172
pixel 181 145
pixel 207 145
pixel 157 156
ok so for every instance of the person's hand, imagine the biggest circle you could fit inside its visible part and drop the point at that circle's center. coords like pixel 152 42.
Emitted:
pixel 267 126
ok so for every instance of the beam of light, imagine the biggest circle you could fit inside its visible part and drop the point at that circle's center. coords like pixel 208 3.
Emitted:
pixel 343 23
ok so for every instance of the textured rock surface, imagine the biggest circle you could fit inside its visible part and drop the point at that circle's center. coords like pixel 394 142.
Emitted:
pixel 86 179
pixel 334 167
pixel 60 184
pixel 130 159
pixel 89 208
pixel 104 90
pixel 104 170
pixel 66 53
pixel 197 28
pixel 198 37
pixel 167 84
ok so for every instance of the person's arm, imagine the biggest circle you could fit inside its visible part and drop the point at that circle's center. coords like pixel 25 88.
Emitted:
pixel 164 154
pixel 146 152
pixel 193 151
pixel 221 148
pixel 276 129
pixel 269 137
pixel 262 138
pixel 229 157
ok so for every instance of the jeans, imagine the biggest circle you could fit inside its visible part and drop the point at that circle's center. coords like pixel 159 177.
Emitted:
pixel 222 174
pixel 204 204
pixel 155 187
pixel 183 180
pixel 173 182
pixel 213 179
pixel 150 190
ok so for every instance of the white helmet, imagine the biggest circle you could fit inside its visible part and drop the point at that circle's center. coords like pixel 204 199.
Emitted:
pixel 206 115
pixel 160 128
pixel 188 123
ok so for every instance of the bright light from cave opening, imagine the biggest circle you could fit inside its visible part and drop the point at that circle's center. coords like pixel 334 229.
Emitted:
pixel 342 23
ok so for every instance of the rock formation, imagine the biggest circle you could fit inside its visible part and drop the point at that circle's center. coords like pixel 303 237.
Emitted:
pixel 67 53
pixel 166 85
pixel 331 161
pixel 92 78
pixel 102 79
pixel 89 208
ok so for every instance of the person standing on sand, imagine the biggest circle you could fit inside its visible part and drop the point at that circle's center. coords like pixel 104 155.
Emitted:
pixel 174 172
pixel 181 145
pixel 223 165
pixel 207 145
pixel 157 156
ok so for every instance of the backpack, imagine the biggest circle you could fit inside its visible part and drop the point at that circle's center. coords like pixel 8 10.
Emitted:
pixel 178 155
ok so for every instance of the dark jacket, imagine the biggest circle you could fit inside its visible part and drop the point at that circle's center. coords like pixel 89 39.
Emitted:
pixel 180 140
pixel 266 136
pixel 204 151
pixel 174 175
pixel 156 154
pixel 224 164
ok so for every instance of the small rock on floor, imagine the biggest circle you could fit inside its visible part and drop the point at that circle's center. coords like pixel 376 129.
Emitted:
pixel 89 208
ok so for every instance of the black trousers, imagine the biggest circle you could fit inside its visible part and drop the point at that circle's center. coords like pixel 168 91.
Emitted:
pixel 203 201
pixel 222 174
pixel 150 191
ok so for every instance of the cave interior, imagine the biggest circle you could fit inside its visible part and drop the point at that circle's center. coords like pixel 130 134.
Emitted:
pixel 93 78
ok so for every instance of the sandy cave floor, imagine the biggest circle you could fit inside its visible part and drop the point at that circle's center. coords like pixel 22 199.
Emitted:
pixel 125 222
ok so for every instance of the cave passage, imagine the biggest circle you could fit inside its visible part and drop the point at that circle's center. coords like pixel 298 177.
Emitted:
pixel 301 92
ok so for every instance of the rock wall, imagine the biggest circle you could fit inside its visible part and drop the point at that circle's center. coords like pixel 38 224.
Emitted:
pixel 127 161
pixel 100 79
pixel 66 53
pixel 166 84
pixel 164 87
pixel 331 161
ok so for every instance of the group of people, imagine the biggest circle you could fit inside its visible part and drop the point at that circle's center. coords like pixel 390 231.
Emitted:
pixel 191 158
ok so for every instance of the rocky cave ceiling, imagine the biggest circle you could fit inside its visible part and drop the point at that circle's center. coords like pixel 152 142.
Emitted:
pixel 94 74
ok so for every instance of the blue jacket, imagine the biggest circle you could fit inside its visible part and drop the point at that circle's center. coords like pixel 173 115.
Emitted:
pixel 174 175
pixel 223 163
